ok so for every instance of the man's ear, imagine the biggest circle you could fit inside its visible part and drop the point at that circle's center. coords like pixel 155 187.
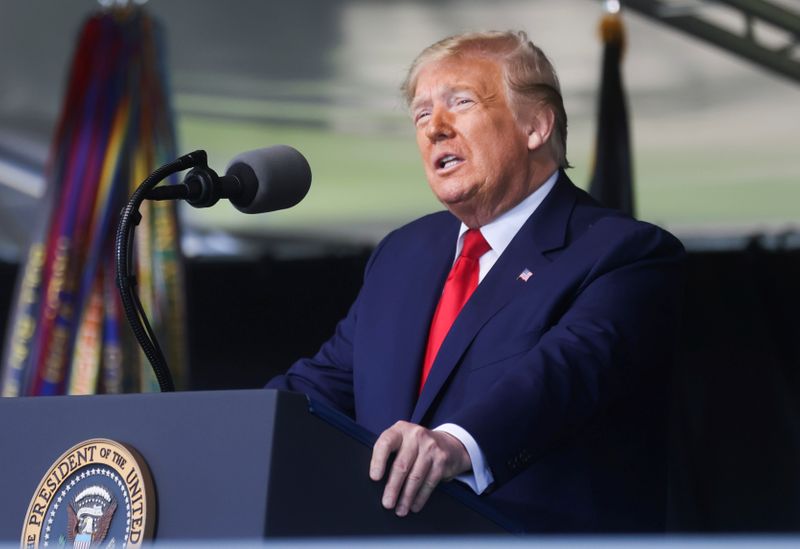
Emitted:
pixel 540 127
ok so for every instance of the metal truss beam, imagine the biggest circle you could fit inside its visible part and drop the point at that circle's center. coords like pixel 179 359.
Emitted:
pixel 689 18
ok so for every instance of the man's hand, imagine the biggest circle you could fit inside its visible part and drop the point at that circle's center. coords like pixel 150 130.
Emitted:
pixel 424 458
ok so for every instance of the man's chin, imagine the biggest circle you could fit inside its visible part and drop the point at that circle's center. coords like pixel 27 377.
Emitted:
pixel 455 202
pixel 453 196
pixel 464 210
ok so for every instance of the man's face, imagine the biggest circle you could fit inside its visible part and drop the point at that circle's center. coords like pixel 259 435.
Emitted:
pixel 474 150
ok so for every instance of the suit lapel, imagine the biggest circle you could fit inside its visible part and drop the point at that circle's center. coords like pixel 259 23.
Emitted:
pixel 544 231
pixel 412 318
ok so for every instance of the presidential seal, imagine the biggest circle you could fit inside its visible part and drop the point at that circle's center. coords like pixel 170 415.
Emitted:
pixel 97 494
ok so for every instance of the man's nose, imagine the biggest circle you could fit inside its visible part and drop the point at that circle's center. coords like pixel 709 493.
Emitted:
pixel 440 125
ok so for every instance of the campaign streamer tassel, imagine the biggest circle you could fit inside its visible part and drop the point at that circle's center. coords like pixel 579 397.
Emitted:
pixel 68 334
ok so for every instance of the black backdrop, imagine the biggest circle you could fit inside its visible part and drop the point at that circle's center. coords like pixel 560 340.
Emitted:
pixel 735 451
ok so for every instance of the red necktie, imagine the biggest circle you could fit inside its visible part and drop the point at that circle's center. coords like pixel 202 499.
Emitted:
pixel 461 282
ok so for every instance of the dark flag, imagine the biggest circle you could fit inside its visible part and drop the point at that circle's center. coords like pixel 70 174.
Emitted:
pixel 612 180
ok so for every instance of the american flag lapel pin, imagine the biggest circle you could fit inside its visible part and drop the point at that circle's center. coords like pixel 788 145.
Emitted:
pixel 525 275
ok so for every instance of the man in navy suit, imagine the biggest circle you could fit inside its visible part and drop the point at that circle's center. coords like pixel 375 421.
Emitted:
pixel 545 390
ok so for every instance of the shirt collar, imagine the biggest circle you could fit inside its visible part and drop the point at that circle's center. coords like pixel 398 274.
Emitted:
pixel 502 230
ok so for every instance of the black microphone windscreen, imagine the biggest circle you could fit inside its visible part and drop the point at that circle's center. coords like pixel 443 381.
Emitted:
pixel 272 178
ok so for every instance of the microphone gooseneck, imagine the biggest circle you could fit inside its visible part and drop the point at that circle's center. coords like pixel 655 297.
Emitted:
pixel 257 181
pixel 126 276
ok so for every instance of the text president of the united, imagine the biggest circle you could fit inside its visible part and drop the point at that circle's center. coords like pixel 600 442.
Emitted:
pixel 543 387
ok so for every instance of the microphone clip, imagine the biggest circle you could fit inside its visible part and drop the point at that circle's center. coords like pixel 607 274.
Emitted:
pixel 201 188
pixel 205 187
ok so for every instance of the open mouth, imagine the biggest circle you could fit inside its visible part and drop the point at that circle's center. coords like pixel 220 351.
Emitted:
pixel 447 161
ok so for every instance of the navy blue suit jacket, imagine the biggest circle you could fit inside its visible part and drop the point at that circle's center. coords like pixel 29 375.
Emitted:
pixel 560 379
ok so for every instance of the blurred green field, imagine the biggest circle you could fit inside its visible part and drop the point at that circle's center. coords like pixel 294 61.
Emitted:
pixel 365 184
pixel 714 187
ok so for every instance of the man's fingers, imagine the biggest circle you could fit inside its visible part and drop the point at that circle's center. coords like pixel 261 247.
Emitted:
pixel 417 478
pixel 401 467
pixel 389 441
pixel 427 487
pixel 423 458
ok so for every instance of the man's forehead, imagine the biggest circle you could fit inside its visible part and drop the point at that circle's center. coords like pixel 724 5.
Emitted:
pixel 476 73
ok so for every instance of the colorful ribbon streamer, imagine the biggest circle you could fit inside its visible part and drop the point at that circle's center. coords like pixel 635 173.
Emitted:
pixel 67 334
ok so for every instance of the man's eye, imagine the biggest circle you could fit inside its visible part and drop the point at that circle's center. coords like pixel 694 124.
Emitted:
pixel 421 116
pixel 464 101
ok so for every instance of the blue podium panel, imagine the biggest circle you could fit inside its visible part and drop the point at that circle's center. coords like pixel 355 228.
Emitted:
pixel 226 464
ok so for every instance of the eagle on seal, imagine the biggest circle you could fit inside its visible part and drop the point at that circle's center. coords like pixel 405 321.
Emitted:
pixel 89 517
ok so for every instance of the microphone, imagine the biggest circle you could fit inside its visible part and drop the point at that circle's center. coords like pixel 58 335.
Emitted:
pixel 263 180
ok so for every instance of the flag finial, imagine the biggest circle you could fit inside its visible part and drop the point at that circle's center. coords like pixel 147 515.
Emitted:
pixel 611 28
pixel 611 6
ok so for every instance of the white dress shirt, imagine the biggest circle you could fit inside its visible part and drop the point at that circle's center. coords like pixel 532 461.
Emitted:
pixel 498 234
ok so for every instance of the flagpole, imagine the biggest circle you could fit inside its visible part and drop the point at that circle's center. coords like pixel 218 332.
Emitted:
pixel 612 177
